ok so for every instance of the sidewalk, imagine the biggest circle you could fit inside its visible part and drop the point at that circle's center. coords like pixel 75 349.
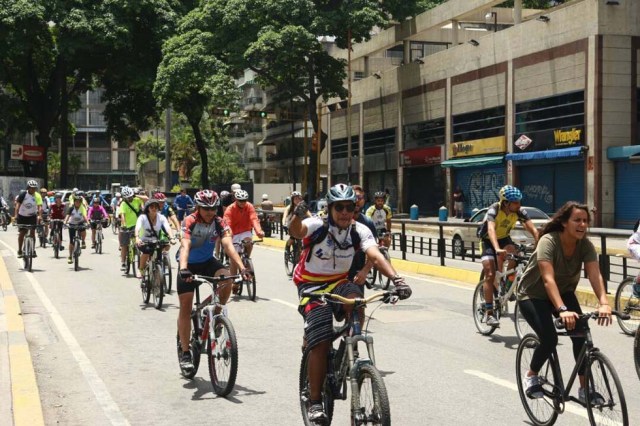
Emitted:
pixel 17 376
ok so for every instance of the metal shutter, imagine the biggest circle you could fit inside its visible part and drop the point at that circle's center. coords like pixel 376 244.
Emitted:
pixel 480 185
pixel 536 184
pixel 627 194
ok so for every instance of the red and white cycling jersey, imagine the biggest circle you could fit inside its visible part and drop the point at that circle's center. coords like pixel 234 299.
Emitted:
pixel 331 258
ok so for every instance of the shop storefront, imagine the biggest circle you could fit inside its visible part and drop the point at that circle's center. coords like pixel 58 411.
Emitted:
pixel 425 178
pixel 627 190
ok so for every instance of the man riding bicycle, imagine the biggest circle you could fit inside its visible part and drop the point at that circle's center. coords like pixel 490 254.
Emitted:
pixel 495 233
pixel 130 209
pixel 167 211
pixel 381 215
pixel 28 212
pixel 96 214
pixel 241 217
pixel 200 232
pixel 182 203
pixel 329 247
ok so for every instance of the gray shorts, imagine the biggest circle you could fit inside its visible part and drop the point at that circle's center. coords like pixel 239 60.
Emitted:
pixel 125 235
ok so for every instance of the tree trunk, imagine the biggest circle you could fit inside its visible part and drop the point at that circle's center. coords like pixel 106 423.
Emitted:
pixel 64 135
pixel 202 150
pixel 312 188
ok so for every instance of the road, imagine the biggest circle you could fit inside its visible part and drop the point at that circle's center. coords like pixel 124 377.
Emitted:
pixel 101 357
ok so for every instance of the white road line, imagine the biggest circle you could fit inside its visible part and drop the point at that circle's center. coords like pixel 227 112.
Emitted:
pixel 505 383
pixel 109 406
pixel 289 304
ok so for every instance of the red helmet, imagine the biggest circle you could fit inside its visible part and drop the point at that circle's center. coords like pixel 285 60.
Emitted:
pixel 207 198
pixel 159 196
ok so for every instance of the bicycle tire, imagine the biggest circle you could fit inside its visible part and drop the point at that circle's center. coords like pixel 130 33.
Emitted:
pixel 522 326
pixel 603 379
pixel 28 254
pixel 131 261
pixel 168 278
pixel 145 288
pixel 114 226
pixel 540 411
pixel 384 281
pixel 251 284
pixel 222 354
pixel 373 406
pixel 76 255
pixel 288 261
pixel 56 246
pixel 370 281
pixel 99 242
pixel 305 399
pixel 158 286
pixel 195 356
pixel 624 303
pixel 636 353
pixel 478 310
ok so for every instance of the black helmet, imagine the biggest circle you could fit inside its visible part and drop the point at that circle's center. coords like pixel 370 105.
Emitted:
pixel 341 192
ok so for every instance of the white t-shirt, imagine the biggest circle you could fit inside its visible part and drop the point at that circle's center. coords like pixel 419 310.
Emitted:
pixel 29 205
pixel 331 258
pixel 77 216
pixel 143 227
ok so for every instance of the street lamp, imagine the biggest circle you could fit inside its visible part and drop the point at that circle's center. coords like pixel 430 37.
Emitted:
pixel 492 16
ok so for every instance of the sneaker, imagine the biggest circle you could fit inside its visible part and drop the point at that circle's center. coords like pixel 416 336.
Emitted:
pixel 316 413
pixel 186 363
pixel 123 267
pixel 69 260
pixel 236 289
pixel 84 246
pixel 19 253
pixel 596 398
pixel 533 388
pixel 491 321
pixel 35 254
pixel 93 245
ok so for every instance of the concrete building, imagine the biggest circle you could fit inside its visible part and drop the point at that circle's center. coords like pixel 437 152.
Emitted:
pixel 546 100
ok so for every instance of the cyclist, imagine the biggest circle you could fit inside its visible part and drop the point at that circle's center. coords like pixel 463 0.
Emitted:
pixel 241 217
pixel 46 207
pixel 323 267
pixel 494 232
pixel 130 209
pixel 182 203
pixel 4 209
pixel 57 212
pixel 167 211
pixel 380 214
pixel 358 272
pixel 28 211
pixel 266 204
pixel 151 227
pixel 76 193
pixel 548 286
pixel 76 215
pixel 200 231
pixel 296 198
pixel 96 214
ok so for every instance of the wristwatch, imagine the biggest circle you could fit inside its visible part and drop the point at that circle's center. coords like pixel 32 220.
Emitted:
pixel 562 308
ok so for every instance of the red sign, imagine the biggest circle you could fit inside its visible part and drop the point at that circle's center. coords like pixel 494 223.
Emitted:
pixel 421 156
pixel 27 152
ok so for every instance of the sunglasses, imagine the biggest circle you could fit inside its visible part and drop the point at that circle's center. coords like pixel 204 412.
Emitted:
pixel 349 207
pixel 360 197
pixel 209 209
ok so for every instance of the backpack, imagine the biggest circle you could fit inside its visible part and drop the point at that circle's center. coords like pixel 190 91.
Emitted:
pixel 321 233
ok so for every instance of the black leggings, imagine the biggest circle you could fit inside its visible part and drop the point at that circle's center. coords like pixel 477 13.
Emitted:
pixel 540 315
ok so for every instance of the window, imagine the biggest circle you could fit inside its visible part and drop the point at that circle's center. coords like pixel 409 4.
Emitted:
pixel 379 142
pixel 339 147
pixel 550 113
pixel 358 75
pixel 483 124
pixel 427 133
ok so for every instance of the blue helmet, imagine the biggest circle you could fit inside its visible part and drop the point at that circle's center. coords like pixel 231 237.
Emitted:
pixel 510 193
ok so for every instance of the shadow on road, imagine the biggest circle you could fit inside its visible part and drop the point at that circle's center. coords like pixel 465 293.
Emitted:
pixel 204 390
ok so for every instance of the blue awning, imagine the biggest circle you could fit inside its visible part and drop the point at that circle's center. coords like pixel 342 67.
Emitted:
pixel 487 160
pixel 551 154
pixel 623 152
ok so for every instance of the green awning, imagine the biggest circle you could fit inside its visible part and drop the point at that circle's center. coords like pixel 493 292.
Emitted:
pixel 623 152
pixel 486 160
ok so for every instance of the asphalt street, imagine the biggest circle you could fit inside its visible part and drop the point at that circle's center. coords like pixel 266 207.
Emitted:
pixel 102 357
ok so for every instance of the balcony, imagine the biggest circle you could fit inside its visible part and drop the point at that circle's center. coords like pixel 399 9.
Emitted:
pixel 253 101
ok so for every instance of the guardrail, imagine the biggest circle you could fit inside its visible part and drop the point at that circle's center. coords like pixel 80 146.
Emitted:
pixel 429 238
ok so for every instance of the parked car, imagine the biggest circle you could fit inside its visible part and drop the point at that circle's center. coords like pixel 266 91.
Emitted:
pixel 106 195
pixel 464 236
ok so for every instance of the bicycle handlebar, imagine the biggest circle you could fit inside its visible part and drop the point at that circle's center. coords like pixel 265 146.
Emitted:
pixel 589 315
pixel 347 301
pixel 203 278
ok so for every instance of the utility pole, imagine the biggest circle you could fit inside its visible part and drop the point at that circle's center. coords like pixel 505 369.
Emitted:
pixel 167 150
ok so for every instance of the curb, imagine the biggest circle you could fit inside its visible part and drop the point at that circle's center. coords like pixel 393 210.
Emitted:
pixel 25 397
pixel 585 297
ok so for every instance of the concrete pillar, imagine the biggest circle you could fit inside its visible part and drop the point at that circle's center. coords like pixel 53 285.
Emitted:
pixel 509 122
pixel 517 12
pixel 454 32
pixel 406 47
pixel 361 145
pixel 399 147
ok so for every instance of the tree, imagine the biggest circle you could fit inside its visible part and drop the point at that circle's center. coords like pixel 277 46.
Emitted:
pixel 53 159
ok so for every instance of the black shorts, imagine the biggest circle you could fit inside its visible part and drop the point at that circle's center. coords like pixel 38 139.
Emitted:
pixel 208 268
pixel 488 253
pixel 27 220
pixel 72 232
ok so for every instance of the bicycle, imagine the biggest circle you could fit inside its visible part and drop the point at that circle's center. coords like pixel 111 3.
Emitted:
pixel 5 220
pixel 56 236
pixel 115 225
pixel 42 236
pixel 77 244
pixel 248 265
pixel 383 281
pixel 99 236
pixel 28 247
pixel 502 295
pixel 292 256
pixel 345 367
pixel 133 255
pixel 636 353
pixel 217 333
pixel 604 397
pixel 166 271
pixel 153 277
pixel 628 303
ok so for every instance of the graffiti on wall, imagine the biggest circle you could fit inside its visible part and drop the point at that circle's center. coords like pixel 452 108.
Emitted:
pixel 482 188
pixel 540 193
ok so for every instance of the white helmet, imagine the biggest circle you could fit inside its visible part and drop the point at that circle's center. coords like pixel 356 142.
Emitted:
pixel 241 195
pixel 32 184
pixel 265 196
pixel 235 187
pixel 118 195
pixel 127 192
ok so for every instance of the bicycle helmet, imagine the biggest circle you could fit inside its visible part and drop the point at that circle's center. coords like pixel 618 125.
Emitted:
pixel 206 198
pixel 118 195
pixel 159 196
pixel 32 184
pixel 149 202
pixel 379 194
pixel 265 196
pixel 50 193
pixel 58 195
pixel 75 190
pixel 241 195
pixel 341 192
pixel 235 187
pixel 510 193
pixel 127 192
pixel 296 194
pixel 95 200
pixel 224 194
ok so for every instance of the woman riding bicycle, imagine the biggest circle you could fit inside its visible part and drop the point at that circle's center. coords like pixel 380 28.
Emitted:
pixel 151 227
pixel 96 214
pixel 548 286
pixel 76 215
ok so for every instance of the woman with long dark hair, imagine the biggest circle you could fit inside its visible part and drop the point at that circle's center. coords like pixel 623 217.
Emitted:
pixel 549 283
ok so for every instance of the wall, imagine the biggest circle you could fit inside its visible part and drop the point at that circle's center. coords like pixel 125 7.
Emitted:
pixel 10 186
pixel 277 192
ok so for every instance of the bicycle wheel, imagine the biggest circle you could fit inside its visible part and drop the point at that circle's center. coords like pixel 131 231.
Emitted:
pixel 305 398
pixel 158 286
pixel 522 326
pixel 606 404
pixel 627 303
pixel 478 308
pixel 41 237
pixel 370 281
pixel 223 356
pixel 541 411
pixel 384 281
pixel 114 226
pixel 147 282
pixel 131 261
pixel 194 348
pixel 166 267
pixel 76 255
pixel 56 245
pixel 373 406
pixel 251 284
pixel 636 353
pixel 288 260
pixel 27 254
pixel 99 242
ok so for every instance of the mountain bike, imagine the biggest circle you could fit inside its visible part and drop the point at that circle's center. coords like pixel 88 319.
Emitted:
pixel 503 294
pixel 42 235
pixel 77 244
pixel 153 277
pixel 374 274
pixel 166 270
pixel 115 225
pixel 348 370
pixel 628 302
pixel 604 399
pixel 5 220
pixel 213 334
pixel 133 255
pixel 99 236
pixel 241 248
pixel 292 256
pixel 56 236
pixel 28 247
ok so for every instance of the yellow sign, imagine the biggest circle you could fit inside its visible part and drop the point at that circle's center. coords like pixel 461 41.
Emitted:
pixel 567 137
pixel 494 145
